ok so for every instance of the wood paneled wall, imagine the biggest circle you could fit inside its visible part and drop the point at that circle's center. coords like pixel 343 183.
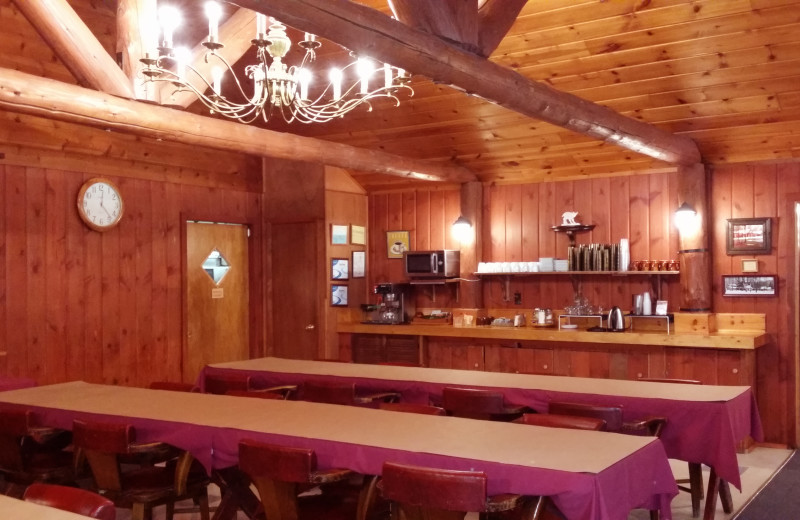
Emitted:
pixel 103 307
pixel 517 227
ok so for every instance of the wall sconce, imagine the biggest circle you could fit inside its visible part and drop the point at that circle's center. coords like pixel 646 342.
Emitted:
pixel 686 219
pixel 462 229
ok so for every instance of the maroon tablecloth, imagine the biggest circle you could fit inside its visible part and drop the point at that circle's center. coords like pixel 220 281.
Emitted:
pixel 12 383
pixel 704 423
pixel 589 475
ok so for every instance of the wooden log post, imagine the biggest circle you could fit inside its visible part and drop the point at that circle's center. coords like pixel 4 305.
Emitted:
pixel 470 293
pixel 695 257
pixel 137 37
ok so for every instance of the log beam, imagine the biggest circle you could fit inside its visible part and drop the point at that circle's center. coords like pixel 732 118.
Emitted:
pixel 495 18
pixel 137 35
pixel 371 33
pixel 72 41
pixel 454 20
pixel 28 94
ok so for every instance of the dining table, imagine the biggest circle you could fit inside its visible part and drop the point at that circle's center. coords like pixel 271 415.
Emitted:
pixel 589 475
pixel 704 423
pixel 15 509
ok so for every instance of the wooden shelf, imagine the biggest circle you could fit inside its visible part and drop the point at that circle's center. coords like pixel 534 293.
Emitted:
pixel 585 273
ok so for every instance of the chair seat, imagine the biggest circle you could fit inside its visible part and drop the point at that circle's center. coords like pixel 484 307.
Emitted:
pixel 74 500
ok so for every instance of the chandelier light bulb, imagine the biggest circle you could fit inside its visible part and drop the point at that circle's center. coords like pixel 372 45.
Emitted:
pixel 304 79
pixel 169 18
pixel 214 13
pixel 336 81
pixel 216 75
pixel 261 26
pixel 182 55
pixel 387 75
pixel 364 69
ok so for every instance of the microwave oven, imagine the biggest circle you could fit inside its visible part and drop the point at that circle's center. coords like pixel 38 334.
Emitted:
pixel 442 263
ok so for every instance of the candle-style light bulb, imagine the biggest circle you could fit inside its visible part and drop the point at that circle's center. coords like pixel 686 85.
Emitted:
pixel 364 69
pixel 169 18
pixel 304 79
pixel 336 81
pixel 261 26
pixel 216 75
pixel 214 13
pixel 182 55
pixel 387 75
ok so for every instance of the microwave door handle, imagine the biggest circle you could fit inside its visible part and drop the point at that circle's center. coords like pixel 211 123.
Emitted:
pixel 434 263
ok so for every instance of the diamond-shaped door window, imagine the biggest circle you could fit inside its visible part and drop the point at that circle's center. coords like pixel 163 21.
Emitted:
pixel 216 266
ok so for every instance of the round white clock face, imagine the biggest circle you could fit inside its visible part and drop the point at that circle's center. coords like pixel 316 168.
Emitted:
pixel 100 204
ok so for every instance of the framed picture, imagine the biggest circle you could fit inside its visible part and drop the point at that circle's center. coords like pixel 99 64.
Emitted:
pixel 338 234
pixel 358 235
pixel 749 285
pixel 748 236
pixel 340 268
pixel 396 243
pixel 339 295
pixel 749 265
pixel 359 263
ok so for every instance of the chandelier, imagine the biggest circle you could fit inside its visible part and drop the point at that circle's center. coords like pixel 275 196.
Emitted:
pixel 272 87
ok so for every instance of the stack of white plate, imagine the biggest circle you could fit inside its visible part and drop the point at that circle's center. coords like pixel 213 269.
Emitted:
pixel 546 265
pixel 561 265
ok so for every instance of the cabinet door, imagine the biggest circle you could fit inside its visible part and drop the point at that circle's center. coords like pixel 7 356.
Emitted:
pixel 401 349
pixel 368 348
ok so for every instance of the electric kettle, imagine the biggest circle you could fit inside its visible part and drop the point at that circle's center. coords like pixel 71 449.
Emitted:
pixel 616 322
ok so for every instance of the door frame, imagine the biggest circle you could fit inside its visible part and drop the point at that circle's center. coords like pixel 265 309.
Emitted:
pixel 796 316
pixel 255 280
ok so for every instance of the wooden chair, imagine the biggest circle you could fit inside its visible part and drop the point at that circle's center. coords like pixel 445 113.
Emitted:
pixel 72 499
pixel 173 386
pixel 425 409
pixel 695 480
pixel 419 493
pixel 341 393
pixel 223 383
pixel 282 473
pixel 552 420
pixel 476 403
pixel 139 488
pixel 29 453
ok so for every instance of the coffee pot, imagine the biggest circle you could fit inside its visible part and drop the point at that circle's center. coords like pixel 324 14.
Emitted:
pixel 616 321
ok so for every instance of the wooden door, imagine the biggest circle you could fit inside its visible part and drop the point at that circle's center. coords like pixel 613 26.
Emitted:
pixel 216 311
pixel 296 293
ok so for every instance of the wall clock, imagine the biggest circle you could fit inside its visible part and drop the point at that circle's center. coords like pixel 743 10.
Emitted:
pixel 100 204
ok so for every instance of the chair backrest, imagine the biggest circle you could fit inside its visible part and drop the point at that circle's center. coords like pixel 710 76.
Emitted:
pixel 14 425
pixel 425 409
pixel 102 443
pixel 221 383
pixel 551 420
pixel 330 393
pixel 276 472
pixel 472 402
pixel 612 415
pixel 259 395
pixel 413 487
pixel 74 500
pixel 173 386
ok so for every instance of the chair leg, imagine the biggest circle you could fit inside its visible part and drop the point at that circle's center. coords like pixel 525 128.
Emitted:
pixel 366 497
pixel 725 496
pixel 696 487
pixel 202 503
pixel 655 514
pixel 138 511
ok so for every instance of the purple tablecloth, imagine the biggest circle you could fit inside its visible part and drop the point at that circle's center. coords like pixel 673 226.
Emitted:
pixel 13 383
pixel 697 430
pixel 589 475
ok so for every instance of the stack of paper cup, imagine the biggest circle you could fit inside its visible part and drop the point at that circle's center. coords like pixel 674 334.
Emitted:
pixel 624 255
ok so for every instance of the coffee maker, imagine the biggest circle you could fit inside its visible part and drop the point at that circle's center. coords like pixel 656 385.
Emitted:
pixel 392 305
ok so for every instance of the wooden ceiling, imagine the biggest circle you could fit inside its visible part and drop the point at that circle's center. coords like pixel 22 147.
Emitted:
pixel 725 73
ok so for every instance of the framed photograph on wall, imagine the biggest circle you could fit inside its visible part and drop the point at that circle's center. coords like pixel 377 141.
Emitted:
pixel 749 236
pixel 340 268
pixel 396 243
pixel 338 234
pixel 749 285
pixel 359 263
pixel 358 235
pixel 339 295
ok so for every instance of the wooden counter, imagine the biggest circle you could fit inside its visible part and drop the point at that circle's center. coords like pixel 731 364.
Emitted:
pixel 728 340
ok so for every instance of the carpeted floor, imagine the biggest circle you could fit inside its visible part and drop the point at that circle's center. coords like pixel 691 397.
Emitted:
pixel 779 499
